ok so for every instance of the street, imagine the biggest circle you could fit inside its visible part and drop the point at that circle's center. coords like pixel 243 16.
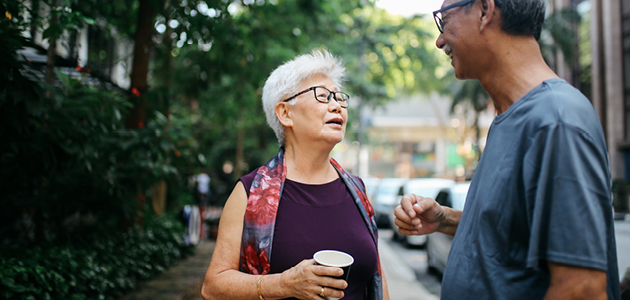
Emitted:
pixel 416 258
pixel 622 235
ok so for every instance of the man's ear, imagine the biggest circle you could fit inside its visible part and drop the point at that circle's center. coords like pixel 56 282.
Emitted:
pixel 488 15
pixel 284 114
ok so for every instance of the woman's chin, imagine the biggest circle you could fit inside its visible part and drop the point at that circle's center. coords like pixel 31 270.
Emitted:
pixel 334 139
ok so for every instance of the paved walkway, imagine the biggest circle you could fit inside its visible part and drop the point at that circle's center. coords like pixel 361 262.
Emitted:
pixel 401 280
pixel 180 282
pixel 183 281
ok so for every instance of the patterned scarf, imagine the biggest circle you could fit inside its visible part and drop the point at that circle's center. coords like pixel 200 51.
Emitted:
pixel 262 208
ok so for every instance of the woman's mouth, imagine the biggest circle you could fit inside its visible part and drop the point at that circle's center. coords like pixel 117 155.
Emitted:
pixel 337 121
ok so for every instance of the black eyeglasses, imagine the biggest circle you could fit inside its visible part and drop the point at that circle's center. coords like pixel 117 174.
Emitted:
pixel 437 15
pixel 324 95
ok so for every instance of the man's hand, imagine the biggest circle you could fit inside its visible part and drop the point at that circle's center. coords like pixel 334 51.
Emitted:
pixel 417 215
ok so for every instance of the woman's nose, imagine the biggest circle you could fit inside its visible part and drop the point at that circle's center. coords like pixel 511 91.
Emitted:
pixel 333 105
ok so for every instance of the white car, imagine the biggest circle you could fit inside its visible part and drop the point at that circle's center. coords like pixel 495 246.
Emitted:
pixel 384 200
pixel 371 184
pixel 426 187
pixel 438 244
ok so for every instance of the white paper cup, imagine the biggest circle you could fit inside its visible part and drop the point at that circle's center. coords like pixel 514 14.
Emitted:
pixel 334 258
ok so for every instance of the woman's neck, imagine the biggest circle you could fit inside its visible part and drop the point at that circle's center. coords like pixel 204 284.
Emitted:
pixel 309 165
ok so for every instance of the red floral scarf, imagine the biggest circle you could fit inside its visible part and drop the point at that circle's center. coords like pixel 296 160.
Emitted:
pixel 262 208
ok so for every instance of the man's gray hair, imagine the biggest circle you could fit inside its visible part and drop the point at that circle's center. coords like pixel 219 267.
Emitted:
pixel 285 81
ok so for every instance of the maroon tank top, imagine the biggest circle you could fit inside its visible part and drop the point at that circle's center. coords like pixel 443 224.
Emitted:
pixel 318 217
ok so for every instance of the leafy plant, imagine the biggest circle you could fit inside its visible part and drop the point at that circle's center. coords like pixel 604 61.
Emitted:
pixel 101 265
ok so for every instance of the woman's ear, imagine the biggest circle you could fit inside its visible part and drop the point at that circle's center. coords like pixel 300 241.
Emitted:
pixel 284 114
pixel 487 13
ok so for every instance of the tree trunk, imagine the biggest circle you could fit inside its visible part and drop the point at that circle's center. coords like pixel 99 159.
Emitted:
pixel 52 48
pixel 34 19
pixel 140 67
pixel 168 60
pixel 240 146
pixel 158 197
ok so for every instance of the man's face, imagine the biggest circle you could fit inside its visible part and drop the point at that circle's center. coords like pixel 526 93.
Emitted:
pixel 458 36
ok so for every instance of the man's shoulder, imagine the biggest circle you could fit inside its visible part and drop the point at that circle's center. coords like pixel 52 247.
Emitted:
pixel 557 102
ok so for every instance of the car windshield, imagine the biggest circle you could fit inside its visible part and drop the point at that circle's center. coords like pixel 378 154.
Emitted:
pixel 389 187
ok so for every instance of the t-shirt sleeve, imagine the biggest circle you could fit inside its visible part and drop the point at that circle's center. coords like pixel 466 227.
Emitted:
pixel 567 190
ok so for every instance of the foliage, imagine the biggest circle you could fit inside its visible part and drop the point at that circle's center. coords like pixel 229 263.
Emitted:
pixel 66 20
pixel 101 265
pixel 387 55
pixel 70 154
pixel 560 34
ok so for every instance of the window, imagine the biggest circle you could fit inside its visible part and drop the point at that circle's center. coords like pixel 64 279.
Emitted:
pixel 443 198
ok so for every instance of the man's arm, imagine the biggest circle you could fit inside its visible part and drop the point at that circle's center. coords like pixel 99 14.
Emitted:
pixel 569 282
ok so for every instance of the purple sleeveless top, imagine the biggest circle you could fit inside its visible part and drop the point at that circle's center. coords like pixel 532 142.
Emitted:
pixel 321 217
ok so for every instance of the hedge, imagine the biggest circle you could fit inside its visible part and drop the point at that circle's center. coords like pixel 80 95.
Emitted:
pixel 101 266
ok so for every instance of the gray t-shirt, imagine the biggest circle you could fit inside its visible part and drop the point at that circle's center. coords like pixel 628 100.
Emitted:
pixel 541 192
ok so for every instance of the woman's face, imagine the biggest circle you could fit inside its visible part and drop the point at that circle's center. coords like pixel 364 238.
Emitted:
pixel 314 120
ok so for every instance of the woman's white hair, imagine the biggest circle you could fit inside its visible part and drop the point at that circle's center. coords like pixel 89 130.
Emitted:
pixel 285 81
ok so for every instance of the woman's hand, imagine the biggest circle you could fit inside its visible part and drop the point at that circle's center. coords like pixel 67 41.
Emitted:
pixel 307 279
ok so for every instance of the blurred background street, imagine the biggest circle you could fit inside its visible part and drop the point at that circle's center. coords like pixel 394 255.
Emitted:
pixel 126 123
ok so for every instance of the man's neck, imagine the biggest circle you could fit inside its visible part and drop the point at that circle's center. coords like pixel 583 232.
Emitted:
pixel 517 69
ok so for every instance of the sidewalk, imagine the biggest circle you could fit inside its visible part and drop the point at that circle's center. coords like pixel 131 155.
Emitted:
pixel 401 280
pixel 183 281
pixel 180 282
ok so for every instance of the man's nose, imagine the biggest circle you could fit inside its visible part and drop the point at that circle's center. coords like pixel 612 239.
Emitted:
pixel 439 42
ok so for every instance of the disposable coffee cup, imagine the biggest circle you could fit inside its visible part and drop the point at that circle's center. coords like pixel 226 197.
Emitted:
pixel 334 258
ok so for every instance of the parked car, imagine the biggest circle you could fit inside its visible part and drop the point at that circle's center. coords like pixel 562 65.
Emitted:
pixel 438 244
pixel 371 184
pixel 384 198
pixel 426 187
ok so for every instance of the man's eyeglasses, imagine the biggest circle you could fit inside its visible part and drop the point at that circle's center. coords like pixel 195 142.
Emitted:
pixel 324 95
pixel 437 15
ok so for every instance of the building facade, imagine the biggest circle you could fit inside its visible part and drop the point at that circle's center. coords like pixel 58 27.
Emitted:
pixel 610 40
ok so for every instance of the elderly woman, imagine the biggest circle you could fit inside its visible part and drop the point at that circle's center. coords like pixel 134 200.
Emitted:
pixel 299 202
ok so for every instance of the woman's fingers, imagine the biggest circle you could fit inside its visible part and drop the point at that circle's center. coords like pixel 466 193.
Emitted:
pixel 327 277
pixel 308 278
pixel 335 293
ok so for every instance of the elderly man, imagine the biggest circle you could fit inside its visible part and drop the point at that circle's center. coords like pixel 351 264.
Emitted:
pixel 538 221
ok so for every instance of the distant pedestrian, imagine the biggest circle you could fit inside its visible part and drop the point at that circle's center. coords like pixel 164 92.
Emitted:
pixel 538 219
pixel 203 189
pixel 301 201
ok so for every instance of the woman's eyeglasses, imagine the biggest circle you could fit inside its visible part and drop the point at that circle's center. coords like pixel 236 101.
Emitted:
pixel 324 95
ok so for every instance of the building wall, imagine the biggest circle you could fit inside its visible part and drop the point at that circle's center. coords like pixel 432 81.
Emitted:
pixel 608 78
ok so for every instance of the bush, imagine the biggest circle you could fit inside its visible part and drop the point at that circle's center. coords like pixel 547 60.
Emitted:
pixel 102 266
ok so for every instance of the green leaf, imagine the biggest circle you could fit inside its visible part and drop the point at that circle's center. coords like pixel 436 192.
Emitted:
pixel 65 80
